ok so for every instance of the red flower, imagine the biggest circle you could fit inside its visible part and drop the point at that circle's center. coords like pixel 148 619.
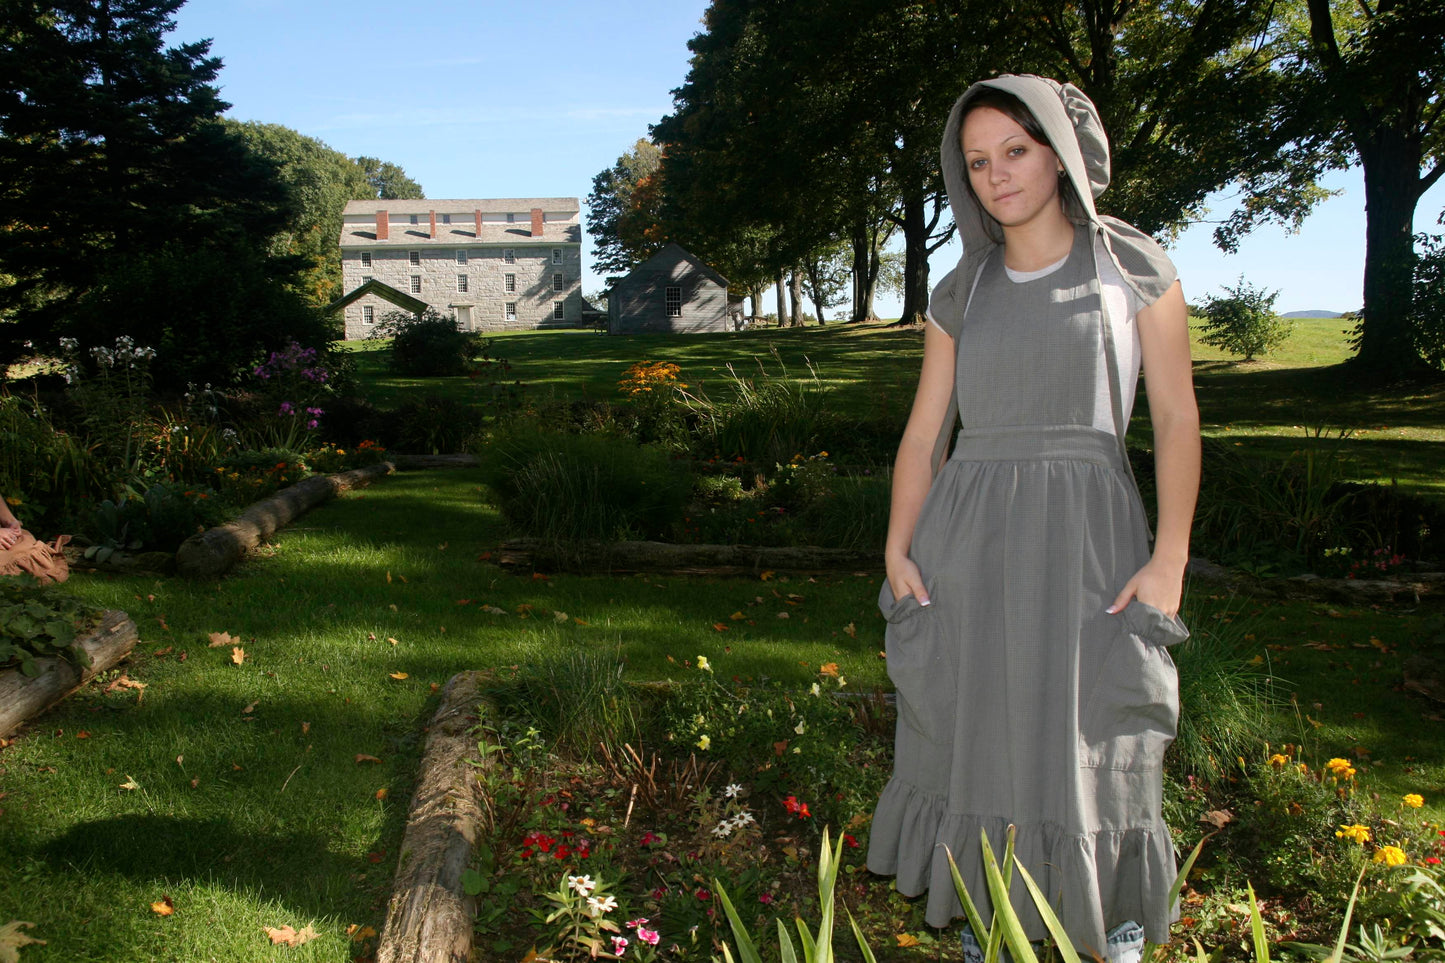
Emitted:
pixel 648 838
pixel 1431 860
pixel 852 843
pixel 703 895
pixel 562 852
pixel 765 897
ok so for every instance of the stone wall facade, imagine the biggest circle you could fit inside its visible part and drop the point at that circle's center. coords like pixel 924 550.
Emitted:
pixel 671 292
pixel 495 264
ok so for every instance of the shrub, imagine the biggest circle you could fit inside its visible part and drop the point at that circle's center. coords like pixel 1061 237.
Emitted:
pixel 768 418
pixel 593 487
pixel 432 424
pixel 166 515
pixel 1244 322
pixel 427 345
pixel 44 472
pixel 38 621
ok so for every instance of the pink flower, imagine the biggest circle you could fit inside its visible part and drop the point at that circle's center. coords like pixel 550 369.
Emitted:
pixel 637 923
pixel 648 838
pixel 650 937
pixel 619 945
pixel 659 893
pixel 765 897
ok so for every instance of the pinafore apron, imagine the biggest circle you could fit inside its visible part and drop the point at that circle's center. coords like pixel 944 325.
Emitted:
pixel 1021 701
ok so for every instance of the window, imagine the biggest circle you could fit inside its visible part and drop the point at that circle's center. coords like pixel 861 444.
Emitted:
pixel 365 278
pixel 446 218
pixel 674 302
pixel 461 257
pixel 557 282
pixel 509 255
pixel 413 258
pixel 511 218
pixel 556 255
pixel 368 314
pixel 559 312
pixel 511 310
pixel 366 259
pixel 413 219
pixel 416 284
pixel 461 284
pixel 511 283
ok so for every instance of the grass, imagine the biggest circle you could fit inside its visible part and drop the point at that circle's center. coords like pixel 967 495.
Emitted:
pixel 1265 406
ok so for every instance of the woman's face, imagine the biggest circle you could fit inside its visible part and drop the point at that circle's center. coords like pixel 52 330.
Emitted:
pixel 1014 177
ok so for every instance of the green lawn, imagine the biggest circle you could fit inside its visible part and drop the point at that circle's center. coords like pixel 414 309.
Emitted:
pixel 1265 406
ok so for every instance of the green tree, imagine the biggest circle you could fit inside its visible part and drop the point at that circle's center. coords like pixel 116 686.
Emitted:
pixel 1244 322
pixel 122 189
pixel 621 209
pixel 1377 72
pixel 387 181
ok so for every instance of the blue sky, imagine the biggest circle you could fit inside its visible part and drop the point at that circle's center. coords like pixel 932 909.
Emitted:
pixel 494 99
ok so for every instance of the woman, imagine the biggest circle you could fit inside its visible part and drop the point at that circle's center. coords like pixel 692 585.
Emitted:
pixel 1027 614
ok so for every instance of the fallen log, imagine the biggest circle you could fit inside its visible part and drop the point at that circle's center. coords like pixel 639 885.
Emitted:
pixel 430 918
pixel 212 553
pixel 23 697
pixel 718 560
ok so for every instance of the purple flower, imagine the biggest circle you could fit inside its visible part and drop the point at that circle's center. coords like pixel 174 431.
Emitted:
pixel 312 423
pixel 287 408
pixel 315 411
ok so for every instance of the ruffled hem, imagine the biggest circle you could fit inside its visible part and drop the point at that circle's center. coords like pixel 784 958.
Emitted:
pixel 1094 881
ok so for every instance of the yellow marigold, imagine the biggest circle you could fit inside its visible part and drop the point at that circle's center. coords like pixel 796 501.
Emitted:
pixel 1357 833
pixel 13 501
pixel 1413 800
pixel 704 742
pixel 1278 761
pixel 1390 856
pixel 1340 769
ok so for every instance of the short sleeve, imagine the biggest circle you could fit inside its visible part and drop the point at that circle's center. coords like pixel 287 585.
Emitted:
pixel 945 305
pixel 1142 262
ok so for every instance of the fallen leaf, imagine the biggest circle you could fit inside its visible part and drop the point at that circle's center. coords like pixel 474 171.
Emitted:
pixel 388 577
pixel 130 784
pixel 830 669
pixel 195 783
pixel 398 675
pixel 1218 818
pixel 442 547
pixel 850 630
pixel 305 728
pixel 249 709
pixel 11 939
pixel 363 757
pixel 163 907
pixel 381 793
pixel 393 607
pixel 765 576
pixel 180 760
pixel 559 616
pixel 737 616
pixel 357 932
pixel 906 940
pixel 82 734
pixel 290 936
pixel 719 626
pixel 238 654
pixel 160 652
pixel 434 686
pixel 123 681
pixel 220 639
pixel 539 577
pixel 493 610
pixel 784 615
pixel 577 621
pixel 464 601
pixel 391 640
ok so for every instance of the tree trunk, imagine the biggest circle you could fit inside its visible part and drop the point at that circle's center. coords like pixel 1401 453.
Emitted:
pixel 430 917
pixel 24 697
pixel 815 285
pixel 1386 342
pixel 782 301
pixel 795 298
pixel 915 258
pixel 865 273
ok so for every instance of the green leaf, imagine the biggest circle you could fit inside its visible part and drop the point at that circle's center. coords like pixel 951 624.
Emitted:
pixel 1256 929
pixel 747 949
pixel 785 944
pixel 863 948
pixel 1056 929
pixel 1005 920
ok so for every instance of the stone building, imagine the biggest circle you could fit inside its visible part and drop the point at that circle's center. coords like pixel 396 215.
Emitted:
pixel 498 264
pixel 670 292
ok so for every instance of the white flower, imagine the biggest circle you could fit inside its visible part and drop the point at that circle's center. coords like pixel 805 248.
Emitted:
pixel 703 664
pixel 732 790
pixel 842 682
pixel 581 885
pixel 598 905
pixel 723 829
pixel 700 720
pixel 801 727
pixel 816 690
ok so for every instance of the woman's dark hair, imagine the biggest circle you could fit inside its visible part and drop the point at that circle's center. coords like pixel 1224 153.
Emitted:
pixel 1011 107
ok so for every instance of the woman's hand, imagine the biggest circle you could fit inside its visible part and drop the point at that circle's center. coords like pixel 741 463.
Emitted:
pixel 904 579
pixel 1156 584
pixel 9 534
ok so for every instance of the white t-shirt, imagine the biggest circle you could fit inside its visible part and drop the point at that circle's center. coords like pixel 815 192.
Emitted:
pixel 1123 306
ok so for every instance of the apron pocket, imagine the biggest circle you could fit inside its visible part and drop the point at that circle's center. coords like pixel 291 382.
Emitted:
pixel 1152 625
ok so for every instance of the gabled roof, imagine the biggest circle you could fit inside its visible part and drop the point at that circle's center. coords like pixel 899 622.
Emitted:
pixel 460 232
pixel 671 253
pixel 384 291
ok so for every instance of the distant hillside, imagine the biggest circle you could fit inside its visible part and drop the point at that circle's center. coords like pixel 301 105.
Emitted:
pixel 1311 314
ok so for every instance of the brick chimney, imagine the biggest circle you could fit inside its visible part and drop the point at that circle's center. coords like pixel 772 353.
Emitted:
pixel 478 215
pixel 433 223
pixel 537 222
pixel 383 225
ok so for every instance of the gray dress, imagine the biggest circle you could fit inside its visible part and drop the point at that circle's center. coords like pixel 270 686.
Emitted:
pixel 1020 700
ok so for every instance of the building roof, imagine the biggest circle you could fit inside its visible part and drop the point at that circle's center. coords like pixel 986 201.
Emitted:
pixel 382 290
pixel 493 205
pixel 670 254
pixel 450 235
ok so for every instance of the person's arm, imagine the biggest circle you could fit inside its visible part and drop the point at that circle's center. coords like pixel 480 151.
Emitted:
pixel 912 469
pixel 9 526
pixel 1169 382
